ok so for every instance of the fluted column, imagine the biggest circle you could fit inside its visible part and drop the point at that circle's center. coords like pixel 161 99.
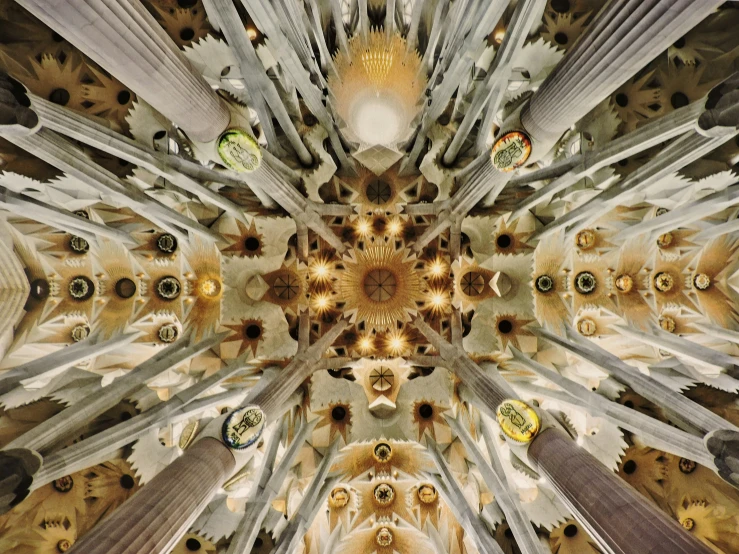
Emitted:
pixel 124 38
pixel 152 520
pixel 62 154
pixel 80 127
pixel 268 487
pixel 262 88
pixel 687 414
pixel 489 93
pixel 495 478
pixel 313 498
pixel 204 467
pixel 99 448
pixel 66 423
pixel 59 218
pixel 615 514
pixel 289 379
pixel 585 164
pixel 455 499
pixel 677 344
pixel 62 359
pixel 610 51
pixel 484 180
pixel 652 431
pixel 608 507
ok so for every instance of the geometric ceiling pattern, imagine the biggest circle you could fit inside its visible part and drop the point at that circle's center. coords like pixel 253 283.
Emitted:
pixel 342 276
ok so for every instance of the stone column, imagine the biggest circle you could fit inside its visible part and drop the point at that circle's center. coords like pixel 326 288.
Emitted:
pixel 722 109
pixel 490 91
pixel 62 154
pixel 312 500
pixel 449 488
pixel 495 478
pixel 59 218
pixel 610 51
pixel 124 38
pixel 682 216
pixel 652 431
pixel 610 509
pixel 62 359
pixel 585 164
pixel 676 344
pixel 153 519
pixel 615 514
pixel 262 88
pixel 79 127
pixel 66 423
pixel 484 180
pixel 289 379
pixel 679 153
pixel 687 414
pixel 268 487
pixel 98 448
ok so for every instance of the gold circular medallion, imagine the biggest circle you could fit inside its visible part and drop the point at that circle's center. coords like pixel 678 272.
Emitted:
pixel 384 537
pixel 338 498
pixel 427 493
pixel 518 420
pixel 511 151
pixel 585 239
pixel 586 327
pixel 382 452
pixel 239 151
pixel 188 434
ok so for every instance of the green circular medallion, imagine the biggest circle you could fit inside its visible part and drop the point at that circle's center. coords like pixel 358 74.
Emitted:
pixel 239 151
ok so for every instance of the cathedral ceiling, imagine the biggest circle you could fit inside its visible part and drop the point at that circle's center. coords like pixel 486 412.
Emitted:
pixel 386 220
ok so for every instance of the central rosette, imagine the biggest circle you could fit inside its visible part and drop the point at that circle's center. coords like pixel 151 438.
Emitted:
pixel 380 286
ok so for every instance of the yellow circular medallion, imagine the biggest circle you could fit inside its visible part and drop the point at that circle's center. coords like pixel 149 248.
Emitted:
pixel 239 151
pixel 511 151
pixel 518 420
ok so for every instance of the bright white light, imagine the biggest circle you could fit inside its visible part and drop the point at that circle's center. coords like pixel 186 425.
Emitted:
pixel 396 343
pixel 376 120
pixel 320 270
pixel 437 299
pixel 363 227
pixel 437 268
pixel 395 227
pixel 322 302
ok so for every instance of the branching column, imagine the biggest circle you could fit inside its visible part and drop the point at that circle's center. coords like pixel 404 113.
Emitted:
pixel 62 359
pixel 611 50
pixel 163 509
pixel 617 516
pixel 123 37
pixel 152 520
pixel 608 507
pixel 268 487
pixel 62 426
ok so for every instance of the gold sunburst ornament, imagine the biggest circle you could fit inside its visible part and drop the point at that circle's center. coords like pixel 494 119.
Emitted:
pixel 380 287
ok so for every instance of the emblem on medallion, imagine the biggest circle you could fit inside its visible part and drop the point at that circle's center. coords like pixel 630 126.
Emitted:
pixel 511 151
pixel 239 151
pixel 243 427
pixel 518 420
